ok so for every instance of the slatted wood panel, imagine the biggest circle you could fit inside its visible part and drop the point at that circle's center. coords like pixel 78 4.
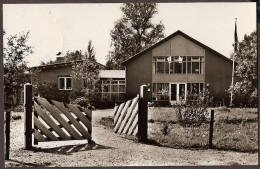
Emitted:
pixel 126 118
pixel 55 121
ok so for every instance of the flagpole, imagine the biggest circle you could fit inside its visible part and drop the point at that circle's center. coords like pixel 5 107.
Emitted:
pixel 233 66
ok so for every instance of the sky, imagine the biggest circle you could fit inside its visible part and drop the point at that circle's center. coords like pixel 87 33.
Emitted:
pixel 58 28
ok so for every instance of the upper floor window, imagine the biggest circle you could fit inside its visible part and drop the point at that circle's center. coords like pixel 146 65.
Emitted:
pixel 178 65
pixel 161 64
pixel 65 83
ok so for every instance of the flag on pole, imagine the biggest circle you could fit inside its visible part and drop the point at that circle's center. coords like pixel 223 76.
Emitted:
pixel 236 39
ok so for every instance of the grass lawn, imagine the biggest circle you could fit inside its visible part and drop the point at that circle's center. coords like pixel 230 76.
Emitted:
pixel 234 129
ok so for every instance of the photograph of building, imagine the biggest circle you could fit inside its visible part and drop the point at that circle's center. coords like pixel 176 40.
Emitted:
pixel 130 84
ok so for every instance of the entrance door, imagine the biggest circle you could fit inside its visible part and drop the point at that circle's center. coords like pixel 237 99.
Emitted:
pixel 177 90
pixel 173 92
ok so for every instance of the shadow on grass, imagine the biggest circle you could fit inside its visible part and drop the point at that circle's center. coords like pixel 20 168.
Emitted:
pixel 216 147
pixel 69 149
pixel 16 163
pixel 198 147
pixel 155 143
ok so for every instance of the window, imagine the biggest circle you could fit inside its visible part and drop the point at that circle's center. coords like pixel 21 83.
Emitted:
pixel 177 65
pixel 160 91
pixel 112 89
pixel 195 65
pixel 160 67
pixel 65 83
pixel 160 64
pixel 195 87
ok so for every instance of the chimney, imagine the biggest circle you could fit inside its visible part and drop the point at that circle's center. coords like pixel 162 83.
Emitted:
pixel 60 59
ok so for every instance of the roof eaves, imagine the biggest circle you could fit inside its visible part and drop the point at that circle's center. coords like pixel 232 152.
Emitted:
pixel 60 64
pixel 53 65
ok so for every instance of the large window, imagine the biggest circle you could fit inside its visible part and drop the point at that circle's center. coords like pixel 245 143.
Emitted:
pixel 160 91
pixel 178 65
pixel 112 89
pixel 65 83
pixel 194 87
pixel 161 64
pixel 195 65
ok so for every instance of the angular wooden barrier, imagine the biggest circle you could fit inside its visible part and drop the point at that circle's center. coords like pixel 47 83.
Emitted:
pixel 59 121
pixel 126 118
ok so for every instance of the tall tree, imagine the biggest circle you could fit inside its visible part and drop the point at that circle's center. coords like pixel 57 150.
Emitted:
pixel 76 55
pixel 91 54
pixel 246 69
pixel 15 67
pixel 88 71
pixel 134 32
pixel 73 56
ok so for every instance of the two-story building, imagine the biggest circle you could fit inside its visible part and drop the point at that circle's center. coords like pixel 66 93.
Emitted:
pixel 176 65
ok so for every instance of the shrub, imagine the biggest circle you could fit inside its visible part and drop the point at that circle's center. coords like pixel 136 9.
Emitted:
pixel 192 110
pixel 151 121
pixel 228 120
pixel 50 91
pixel 103 104
pixel 81 101
pixel 223 109
pixel 166 129
pixel 19 108
pixel 107 121
pixel 82 97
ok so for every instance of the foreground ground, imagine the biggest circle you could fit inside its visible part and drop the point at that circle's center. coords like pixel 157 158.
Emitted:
pixel 234 129
pixel 113 150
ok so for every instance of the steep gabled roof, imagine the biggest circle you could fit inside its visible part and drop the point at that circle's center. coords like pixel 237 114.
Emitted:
pixel 168 38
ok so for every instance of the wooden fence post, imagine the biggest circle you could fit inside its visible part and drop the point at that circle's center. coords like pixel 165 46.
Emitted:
pixel 28 115
pixel 7 135
pixel 143 114
pixel 211 128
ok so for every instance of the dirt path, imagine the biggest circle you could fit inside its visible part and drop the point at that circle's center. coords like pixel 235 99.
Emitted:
pixel 113 150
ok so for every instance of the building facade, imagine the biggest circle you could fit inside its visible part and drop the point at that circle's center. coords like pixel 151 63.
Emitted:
pixel 111 84
pixel 176 65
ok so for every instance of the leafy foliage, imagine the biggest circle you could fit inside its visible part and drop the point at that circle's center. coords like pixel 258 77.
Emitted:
pixel 246 69
pixel 133 32
pixel 192 111
pixel 50 91
pixel 88 71
pixel 73 56
pixel 76 55
pixel 15 67
pixel 91 54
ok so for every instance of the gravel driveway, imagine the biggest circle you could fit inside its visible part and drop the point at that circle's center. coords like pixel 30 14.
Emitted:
pixel 113 150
